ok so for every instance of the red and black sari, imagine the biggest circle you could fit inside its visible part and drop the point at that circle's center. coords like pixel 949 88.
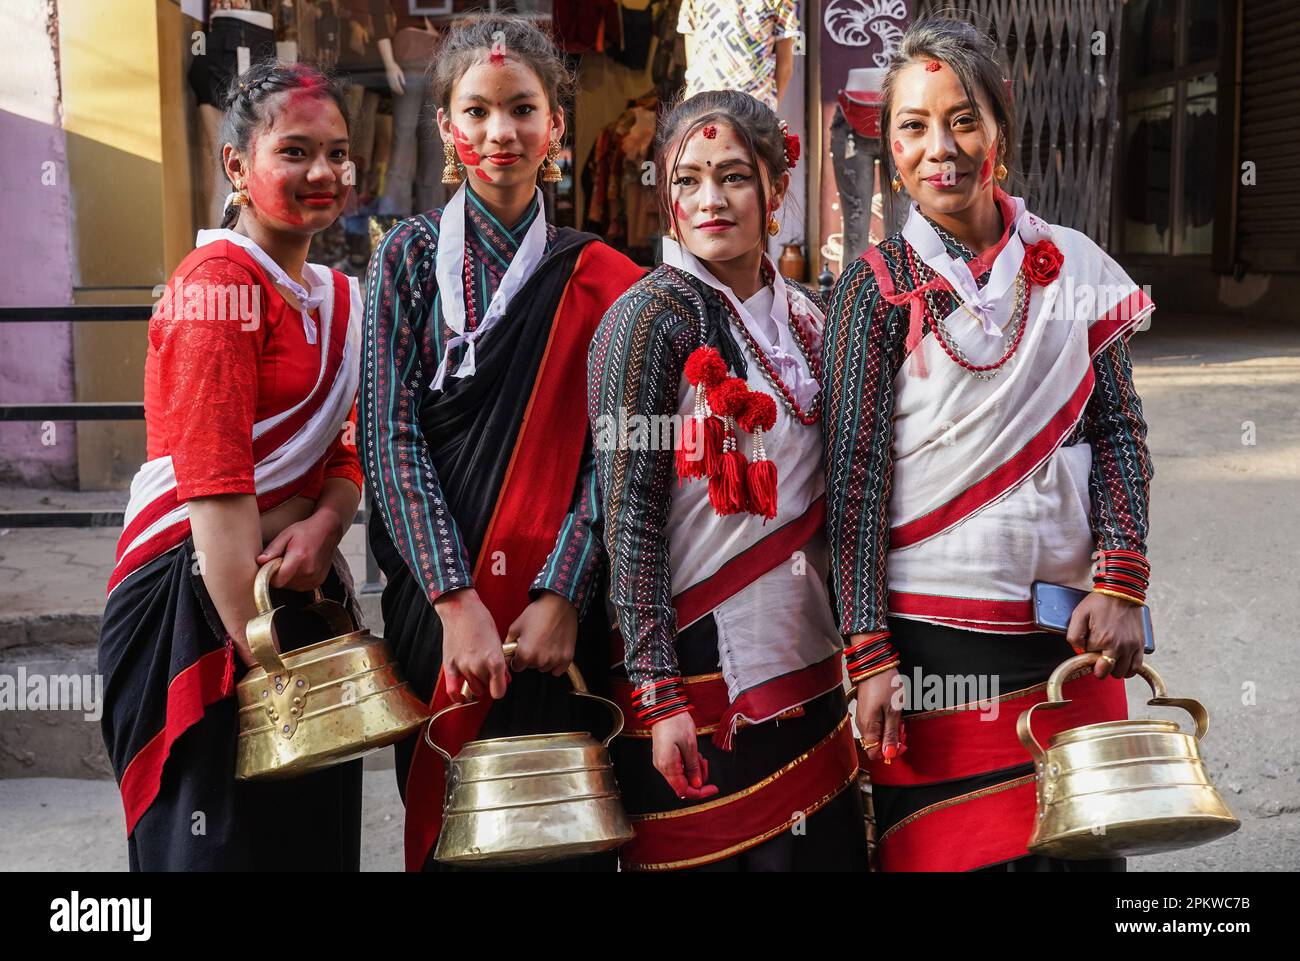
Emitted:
pixel 499 460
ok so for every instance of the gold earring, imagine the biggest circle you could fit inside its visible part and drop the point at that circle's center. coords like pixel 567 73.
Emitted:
pixel 1001 171
pixel 236 198
pixel 450 173
pixel 896 183
pixel 773 228
pixel 550 169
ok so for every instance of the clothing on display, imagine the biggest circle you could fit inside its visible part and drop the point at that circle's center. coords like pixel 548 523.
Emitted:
pixel 736 44
pixel 228 32
pixel 620 207
pixel 854 157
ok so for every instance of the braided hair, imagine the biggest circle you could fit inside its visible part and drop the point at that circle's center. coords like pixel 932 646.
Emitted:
pixel 246 108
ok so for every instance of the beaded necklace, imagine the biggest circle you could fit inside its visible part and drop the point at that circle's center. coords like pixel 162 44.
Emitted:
pixel 945 339
pixel 813 414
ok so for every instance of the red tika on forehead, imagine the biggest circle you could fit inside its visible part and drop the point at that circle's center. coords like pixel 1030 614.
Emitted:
pixel 932 66
pixel 709 132
pixel 497 58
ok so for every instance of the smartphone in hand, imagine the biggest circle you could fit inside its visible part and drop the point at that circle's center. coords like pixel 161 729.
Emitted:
pixel 1055 603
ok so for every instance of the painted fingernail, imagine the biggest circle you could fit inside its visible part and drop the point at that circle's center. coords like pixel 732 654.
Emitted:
pixel 890 751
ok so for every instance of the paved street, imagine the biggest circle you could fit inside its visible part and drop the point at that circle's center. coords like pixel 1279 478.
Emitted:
pixel 1222 401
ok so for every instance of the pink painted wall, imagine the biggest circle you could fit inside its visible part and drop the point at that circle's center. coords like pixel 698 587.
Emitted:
pixel 35 252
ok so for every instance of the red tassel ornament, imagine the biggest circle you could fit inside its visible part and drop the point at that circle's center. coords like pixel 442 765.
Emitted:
pixel 760 479
pixel 690 456
pixel 760 482
pixel 727 484
pixel 700 442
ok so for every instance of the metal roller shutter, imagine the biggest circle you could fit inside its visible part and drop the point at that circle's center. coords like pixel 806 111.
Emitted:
pixel 1268 213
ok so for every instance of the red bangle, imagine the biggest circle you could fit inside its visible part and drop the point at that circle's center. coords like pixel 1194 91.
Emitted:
pixel 868 657
pixel 1122 573
pixel 660 700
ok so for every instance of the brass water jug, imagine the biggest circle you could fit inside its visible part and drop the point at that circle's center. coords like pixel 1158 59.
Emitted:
pixel 531 799
pixel 1122 788
pixel 320 705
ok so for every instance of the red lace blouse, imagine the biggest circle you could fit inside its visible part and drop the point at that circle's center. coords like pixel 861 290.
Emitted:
pixel 206 381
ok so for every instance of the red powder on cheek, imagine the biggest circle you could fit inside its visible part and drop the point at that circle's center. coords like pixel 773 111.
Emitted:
pixel 898 146
pixel 986 172
pixel 273 195
pixel 677 209
pixel 482 175
pixel 709 132
pixel 546 141
pixel 468 156
pixel 933 66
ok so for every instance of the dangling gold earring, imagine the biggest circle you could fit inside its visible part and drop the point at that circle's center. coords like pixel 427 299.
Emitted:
pixel 1000 171
pixel 896 183
pixel 236 198
pixel 450 173
pixel 773 228
pixel 550 169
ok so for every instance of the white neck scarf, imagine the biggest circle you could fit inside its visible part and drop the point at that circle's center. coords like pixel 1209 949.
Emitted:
pixel 983 301
pixel 772 334
pixel 308 300
pixel 450 273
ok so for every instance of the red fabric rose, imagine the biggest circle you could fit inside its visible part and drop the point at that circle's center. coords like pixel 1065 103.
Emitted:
pixel 1043 262
pixel 792 150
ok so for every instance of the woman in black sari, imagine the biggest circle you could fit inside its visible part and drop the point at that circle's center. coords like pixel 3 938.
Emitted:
pixel 476 446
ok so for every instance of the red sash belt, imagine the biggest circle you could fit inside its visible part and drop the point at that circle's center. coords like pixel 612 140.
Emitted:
pixel 991 825
pixel 972 831
pixel 722 827
pixel 956 743
pixel 709 703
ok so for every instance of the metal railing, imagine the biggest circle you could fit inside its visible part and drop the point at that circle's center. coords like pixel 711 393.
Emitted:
pixel 99 410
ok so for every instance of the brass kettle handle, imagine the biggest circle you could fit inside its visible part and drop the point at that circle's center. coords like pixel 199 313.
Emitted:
pixel 260 631
pixel 579 689
pixel 1055 698
pixel 262 586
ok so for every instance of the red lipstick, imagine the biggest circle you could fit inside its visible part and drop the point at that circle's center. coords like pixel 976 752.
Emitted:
pixel 945 181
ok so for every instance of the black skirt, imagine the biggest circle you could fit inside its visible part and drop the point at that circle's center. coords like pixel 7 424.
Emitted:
pixel 159 632
pixel 834 836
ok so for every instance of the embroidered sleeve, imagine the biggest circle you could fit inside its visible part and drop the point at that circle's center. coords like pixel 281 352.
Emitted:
pixel 1120 483
pixel 861 354
pixel 571 569
pixel 634 368
pixel 399 346
pixel 207 374
pixel 342 460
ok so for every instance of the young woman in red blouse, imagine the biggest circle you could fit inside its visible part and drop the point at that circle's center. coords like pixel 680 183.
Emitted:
pixel 250 383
